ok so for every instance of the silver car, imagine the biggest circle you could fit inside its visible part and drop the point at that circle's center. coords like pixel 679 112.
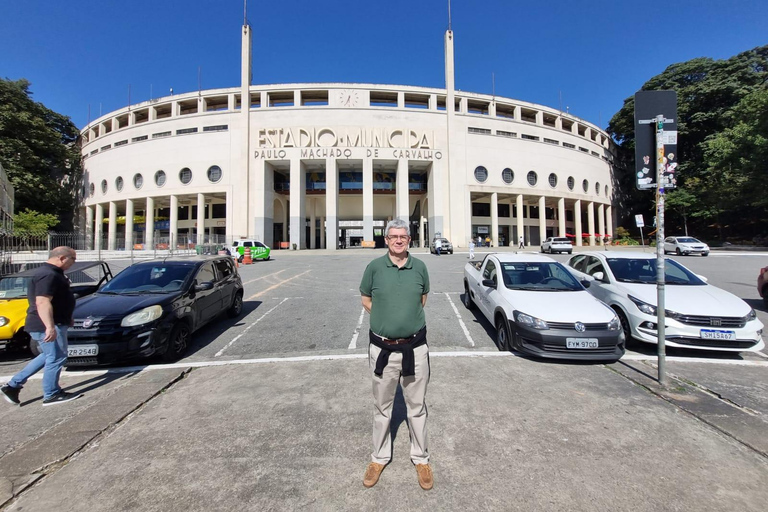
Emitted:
pixel 445 246
pixel 685 245
pixel 556 244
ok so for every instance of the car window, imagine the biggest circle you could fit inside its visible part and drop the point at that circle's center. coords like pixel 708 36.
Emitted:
pixel 259 244
pixel 490 271
pixel 577 262
pixel 644 271
pixel 688 240
pixel 593 266
pixel 235 244
pixel 247 244
pixel 224 269
pixel 149 278
pixel 669 240
pixel 562 240
pixel 13 287
pixel 544 276
pixel 205 274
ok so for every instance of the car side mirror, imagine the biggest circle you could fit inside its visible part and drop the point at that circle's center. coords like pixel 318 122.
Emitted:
pixel 489 283
pixel 703 278
pixel 599 276
pixel 204 286
pixel 586 283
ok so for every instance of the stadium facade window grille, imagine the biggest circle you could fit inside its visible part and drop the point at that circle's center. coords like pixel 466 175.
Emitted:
pixel 553 180
pixel 119 183
pixel 214 174
pixel 481 174
pixel 533 178
pixel 160 178
pixel 185 131
pixel 216 128
pixel 185 175
pixel 138 180
pixel 508 176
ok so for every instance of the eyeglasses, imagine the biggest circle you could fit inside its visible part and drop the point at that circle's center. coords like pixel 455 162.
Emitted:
pixel 398 237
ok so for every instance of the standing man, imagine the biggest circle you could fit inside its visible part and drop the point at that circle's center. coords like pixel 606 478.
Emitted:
pixel 521 244
pixel 394 291
pixel 51 304
pixel 438 246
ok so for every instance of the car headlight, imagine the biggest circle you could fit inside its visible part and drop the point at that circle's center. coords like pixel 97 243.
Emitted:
pixel 530 321
pixel 4 321
pixel 614 325
pixel 649 309
pixel 142 316
pixel 750 316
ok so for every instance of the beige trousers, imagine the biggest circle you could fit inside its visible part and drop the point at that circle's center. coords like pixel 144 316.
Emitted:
pixel 414 393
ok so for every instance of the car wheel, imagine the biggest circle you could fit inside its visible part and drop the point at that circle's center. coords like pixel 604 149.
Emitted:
pixel 467 299
pixel 178 342
pixel 502 334
pixel 570 252
pixel 240 258
pixel 543 251
pixel 237 306
pixel 705 254
pixel 629 341
pixel 678 252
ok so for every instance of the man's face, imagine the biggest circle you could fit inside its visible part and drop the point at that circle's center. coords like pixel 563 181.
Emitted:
pixel 68 260
pixel 397 241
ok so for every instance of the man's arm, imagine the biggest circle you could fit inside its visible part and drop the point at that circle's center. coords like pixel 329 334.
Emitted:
pixel 45 311
pixel 367 303
pixel 424 300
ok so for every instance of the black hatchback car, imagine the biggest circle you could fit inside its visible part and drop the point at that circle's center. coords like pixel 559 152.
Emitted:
pixel 153 307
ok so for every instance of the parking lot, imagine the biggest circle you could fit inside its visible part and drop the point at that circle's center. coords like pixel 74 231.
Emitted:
pixel 503 426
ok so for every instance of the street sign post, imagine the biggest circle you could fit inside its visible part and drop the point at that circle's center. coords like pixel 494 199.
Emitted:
pixel 657 110
pixel 640 223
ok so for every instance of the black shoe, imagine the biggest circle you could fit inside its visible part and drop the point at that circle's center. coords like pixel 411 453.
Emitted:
pixel 11 394
pixel 61 397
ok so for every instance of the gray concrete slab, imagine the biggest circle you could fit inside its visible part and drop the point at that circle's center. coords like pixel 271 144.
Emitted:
pixel 506 434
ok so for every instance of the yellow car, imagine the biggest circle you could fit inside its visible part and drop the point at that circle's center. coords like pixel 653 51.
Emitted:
pixel 86 277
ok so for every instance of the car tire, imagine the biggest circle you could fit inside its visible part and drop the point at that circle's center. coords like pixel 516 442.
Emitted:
pixel 705 254
pixel 240 258
pixel 543 251
pixel 237 305
pixel 629 341
pixel 570 252
pixel 502 334
pixel 467 298
pixel 178 342
pixel 678 252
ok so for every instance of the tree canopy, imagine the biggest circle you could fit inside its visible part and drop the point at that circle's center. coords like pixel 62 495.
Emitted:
pixel 722 146
pixel 38 150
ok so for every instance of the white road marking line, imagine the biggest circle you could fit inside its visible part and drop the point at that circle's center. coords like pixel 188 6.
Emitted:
pixel 332 357
pixel 461 322
pixel 264 277
pixel 353 343
pixel 220 352
pixel 281 283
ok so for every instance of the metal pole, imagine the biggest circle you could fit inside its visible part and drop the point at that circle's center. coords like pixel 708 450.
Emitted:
pixel 660 274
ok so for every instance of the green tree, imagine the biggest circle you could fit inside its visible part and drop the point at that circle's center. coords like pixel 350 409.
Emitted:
pixel 39 151
pixel 721 143
pixel 30 222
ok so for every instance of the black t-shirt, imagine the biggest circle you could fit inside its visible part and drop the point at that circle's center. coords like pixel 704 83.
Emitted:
pixel 49 280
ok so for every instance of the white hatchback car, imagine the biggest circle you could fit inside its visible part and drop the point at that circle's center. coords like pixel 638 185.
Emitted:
pixel 698 315
pixel 556 244
pixel 685 245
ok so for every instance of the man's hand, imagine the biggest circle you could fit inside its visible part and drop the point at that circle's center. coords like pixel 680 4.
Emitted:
pixel 50 334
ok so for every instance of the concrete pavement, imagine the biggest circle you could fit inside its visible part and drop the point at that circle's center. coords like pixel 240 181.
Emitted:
pixel 506 433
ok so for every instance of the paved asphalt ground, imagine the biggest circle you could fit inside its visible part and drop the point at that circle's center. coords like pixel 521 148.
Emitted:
pixel 272 411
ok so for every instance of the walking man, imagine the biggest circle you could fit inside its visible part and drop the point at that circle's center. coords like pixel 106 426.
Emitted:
pixel 438 246
pixel 521 244
pixel 394 291
pixel 51 304
pixel 471 248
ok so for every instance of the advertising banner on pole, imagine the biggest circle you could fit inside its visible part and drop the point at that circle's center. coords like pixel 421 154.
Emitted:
pixel 649 105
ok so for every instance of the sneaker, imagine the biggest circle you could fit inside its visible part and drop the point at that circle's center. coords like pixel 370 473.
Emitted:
pixel 424 471
pixel 372 474
pixel 11 394
pixel 61 397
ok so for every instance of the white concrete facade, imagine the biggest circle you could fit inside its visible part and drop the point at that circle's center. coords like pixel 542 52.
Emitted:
pixel 326 165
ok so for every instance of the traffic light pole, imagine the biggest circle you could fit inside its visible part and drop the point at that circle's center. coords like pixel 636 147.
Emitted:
pixel 660 271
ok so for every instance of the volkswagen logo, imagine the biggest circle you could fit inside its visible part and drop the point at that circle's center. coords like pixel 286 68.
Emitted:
pixel 88 323
pixel 580 327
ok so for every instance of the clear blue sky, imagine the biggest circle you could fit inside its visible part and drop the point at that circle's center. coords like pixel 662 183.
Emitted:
pixel 594 53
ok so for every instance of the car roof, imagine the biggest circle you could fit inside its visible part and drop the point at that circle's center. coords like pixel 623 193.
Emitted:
pixel 192 260
pixel 77 266
pixel 520 258
pixel 628 255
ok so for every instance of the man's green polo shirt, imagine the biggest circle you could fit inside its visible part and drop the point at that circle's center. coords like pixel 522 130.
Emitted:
pixel 396 310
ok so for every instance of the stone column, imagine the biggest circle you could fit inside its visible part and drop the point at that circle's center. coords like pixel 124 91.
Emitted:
pixel 149 224
pixel 322 229
pixel 421 232
pixel 312 222
pixel 112 228
pixel 298 204
pixel 129 224
pixel 542 219
pixel 173 233
pixel 263 200
pixel 609 220
pixel 99 226
pixel 520 227
pixel 591 222
pixel 331 204
pixel 561 216
pixel 200 218
pixel 368 200
pixel 495 219
pixel 89 227
pixel 402 205
pixel 601 222
pixel 577 221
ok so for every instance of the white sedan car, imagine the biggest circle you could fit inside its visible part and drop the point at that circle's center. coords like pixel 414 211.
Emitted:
pixel 685 245
pixel 698 315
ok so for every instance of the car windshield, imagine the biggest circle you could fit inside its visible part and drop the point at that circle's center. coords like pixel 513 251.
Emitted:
pixel 628 270
pixel 540 276
pixel 14 287
pixel 561 240
pixel 160 278
pixel 688 240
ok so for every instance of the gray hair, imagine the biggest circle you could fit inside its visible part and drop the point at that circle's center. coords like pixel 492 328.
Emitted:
pixel 63 250
pixel 397 224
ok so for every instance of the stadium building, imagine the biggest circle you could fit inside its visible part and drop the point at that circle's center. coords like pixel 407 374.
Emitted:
pixel 326 165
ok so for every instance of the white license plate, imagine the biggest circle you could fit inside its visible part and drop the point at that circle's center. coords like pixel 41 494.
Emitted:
pixel 581 342
pixel 83 351
pixel 711 334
